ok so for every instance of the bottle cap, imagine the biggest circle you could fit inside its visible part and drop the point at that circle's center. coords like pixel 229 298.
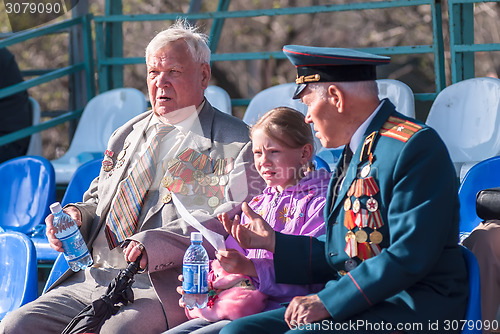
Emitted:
pixel 196 236
pixel 55 207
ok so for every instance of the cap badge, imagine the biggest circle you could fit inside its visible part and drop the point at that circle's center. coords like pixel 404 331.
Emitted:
pixel 305 79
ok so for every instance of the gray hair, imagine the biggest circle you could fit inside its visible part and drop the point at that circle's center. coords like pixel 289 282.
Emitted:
pixel 181 29
pixel 355 87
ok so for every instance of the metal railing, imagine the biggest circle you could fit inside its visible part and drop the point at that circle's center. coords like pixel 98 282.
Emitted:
pixel 110 61
pixel 462 45
pixel 86 66
pixel 105 62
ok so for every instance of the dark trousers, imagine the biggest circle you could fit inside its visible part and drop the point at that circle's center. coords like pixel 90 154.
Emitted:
pixel 273 322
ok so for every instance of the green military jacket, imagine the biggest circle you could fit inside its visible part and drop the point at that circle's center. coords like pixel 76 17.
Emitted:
pixel 413 270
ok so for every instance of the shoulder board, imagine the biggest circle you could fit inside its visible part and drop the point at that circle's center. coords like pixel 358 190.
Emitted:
pixel 399 128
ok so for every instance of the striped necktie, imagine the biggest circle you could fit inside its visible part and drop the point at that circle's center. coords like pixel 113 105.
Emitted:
pixel 126 208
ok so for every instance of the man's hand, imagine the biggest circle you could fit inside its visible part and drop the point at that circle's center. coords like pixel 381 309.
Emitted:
pixel 305 310
pixel 132 252
pixel 256 234
pixel 50 231
pixel 233 262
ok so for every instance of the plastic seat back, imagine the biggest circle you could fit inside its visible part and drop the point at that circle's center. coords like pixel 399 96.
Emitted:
pixel 272 97
pixel 219 98
pixel 35 146
pixel 467 117
pixel 81 181
pixel 320 163
pixel 481 176
pixel 473 312
pixel 100 118
pixel 400 95
pixel 18 278
pixel 27 189
pixel 58 269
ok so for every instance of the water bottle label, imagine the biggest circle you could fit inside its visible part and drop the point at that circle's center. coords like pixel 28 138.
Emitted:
pixel 195 278
pixel 65 229
pixel 74 245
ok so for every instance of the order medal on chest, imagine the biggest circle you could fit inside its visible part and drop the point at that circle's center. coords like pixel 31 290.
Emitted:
pixel 196 174
pixel 358 216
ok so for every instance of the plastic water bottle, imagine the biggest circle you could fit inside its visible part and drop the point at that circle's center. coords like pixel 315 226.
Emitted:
pixel 195 273
pixel 75 250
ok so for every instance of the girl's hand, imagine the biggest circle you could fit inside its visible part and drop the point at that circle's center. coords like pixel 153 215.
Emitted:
pixel 234 262
pixel 181 292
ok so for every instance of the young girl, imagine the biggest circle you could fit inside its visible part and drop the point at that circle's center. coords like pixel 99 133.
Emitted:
pixel 292 203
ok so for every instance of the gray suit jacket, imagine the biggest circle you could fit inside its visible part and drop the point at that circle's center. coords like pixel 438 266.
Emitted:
pixel 164 234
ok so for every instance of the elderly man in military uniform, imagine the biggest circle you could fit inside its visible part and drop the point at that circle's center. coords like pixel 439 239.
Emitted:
pixel 390 257
pixel 183 148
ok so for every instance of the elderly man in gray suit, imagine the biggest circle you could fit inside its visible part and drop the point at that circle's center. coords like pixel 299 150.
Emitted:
pixel 200 155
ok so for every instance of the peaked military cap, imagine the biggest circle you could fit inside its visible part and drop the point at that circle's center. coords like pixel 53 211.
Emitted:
pixel 317 64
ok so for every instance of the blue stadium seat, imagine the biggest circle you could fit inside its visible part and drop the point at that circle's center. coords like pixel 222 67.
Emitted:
pixel 320 163
pixel 60 267
pixel 473 312
pixel 81 181
pixel 481 176
pixel 28 188
pixel 18 271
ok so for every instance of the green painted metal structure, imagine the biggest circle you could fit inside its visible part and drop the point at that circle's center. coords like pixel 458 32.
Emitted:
pixel 462 46
pixel 109 60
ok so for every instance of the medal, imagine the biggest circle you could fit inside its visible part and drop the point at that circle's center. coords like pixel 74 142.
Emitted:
pixel 365 171
pixel 347 204
pixel 121 155
pixel 167 181
pixel 349 235
pixel 364 251
pixel 214 180
pixel 356 206
pixel 375 249
pixel 349 220
pixel 372 204
pixel 184 190
pixel 223 180
pixel 107 162
pixel 376 237
pixel 359 189
pixel 205 181
pixel 187 155
pixel 167 198
pixel 119 163
pixel 198 175
pixel 361 236
pixel 351 248
pixel 213 202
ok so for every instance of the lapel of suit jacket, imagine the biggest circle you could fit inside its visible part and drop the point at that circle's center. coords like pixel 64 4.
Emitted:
pixel 110 185
pixel 385 111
